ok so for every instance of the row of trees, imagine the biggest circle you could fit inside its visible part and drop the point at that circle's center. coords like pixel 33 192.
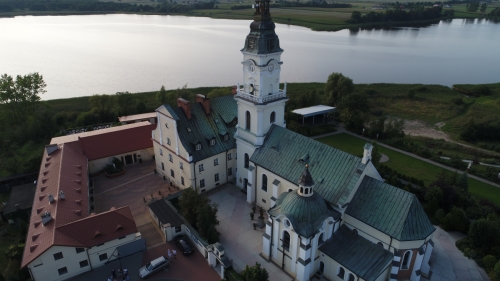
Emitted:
pixel 419 13
pixel 98 6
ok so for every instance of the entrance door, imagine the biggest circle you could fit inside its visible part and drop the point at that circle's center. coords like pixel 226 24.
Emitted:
pixel 128 159
pixel 321 267
pixel 245 183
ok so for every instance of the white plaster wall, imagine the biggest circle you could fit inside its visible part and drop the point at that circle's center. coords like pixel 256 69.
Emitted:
pixel 71 260
pixel 108 248
pixel 242 148
pixel 208 174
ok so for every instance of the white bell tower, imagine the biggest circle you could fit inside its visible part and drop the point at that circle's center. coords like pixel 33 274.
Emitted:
pixel 261 102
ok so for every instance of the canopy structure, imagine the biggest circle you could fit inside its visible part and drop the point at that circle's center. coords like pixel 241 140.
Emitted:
pixel 314 113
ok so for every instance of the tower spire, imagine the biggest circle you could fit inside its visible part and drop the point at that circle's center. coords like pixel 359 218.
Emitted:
pixel 306 183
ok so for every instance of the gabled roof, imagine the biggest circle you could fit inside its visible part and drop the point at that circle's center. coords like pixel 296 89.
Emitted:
pixel 203 127
pixel 165 213
pixel 390 210
pixel 285 152
pixel 358 255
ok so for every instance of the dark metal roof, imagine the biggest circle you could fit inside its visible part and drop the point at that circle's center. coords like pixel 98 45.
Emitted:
pixel 22 195
pixel 358 255
pixel 165 213
pixel 306 179
pixel 334 171
pixel 306 214
pixel 203 127
pixel 391 210
pixel 262 39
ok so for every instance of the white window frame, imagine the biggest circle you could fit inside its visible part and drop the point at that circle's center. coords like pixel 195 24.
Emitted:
pixel 202 183
pixel 181 166
pixel 182 180
pixel 229 156
pixel 200 168
pixel 198 147
pixel 230 171
pixel 216 177
pixel 168 141
pixel 407 266
pixel 216 161
pixel 170 158
pixel 161 152
pixel 212 142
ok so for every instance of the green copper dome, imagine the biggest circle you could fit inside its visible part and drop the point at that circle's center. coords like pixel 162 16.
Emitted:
pixel 306 214
pixel 262 39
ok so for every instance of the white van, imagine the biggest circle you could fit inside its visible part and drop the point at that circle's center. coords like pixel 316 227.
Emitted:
pixel 153 266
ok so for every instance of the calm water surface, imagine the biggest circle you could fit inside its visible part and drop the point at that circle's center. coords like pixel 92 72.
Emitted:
pixel 104 54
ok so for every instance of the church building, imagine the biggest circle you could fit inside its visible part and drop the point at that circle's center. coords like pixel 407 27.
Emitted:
pixel 329 212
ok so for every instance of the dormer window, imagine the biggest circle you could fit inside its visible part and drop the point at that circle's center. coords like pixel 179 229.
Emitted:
pixel 188 129
pixel 212 142
pixel 198 147
pixel 226 137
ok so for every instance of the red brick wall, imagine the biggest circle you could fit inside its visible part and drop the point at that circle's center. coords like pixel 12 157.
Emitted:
pixel 405 274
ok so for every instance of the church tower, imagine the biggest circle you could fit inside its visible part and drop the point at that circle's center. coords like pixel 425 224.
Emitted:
pixel 261 103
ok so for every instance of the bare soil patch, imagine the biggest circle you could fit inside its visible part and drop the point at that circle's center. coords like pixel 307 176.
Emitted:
pixel 420 129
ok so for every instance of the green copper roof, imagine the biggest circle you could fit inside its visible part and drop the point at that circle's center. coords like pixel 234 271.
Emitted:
pixel 262 39
pixel 358 255
pixel 306 214
pixel 202 128
pixel 335 172
pixel 391 210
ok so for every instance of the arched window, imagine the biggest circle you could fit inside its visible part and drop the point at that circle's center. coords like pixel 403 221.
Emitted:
pixel 406 260
pixel 264 182
pixel 307 191
pixel 273 117
pixel 247 124
pixel 286 240
pixel 270 89
pixel 341 272
pixel 247 161
pixel 380 244
pixel 355 231
pixel 320 239
pixel 301 190
pixel 351 277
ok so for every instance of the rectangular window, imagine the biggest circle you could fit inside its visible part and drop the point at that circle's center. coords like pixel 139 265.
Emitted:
pixel 182 180
pixel 226 137
pixel 200 168
pixel 58 256
pixel 229 157
pixel 84 263
pixel 161 151
pixel 217 177
pixel 62 271
pixel 168 141
pixel 178 229
pixel 103 256
pixel 216 161
pixel 212 142
pixel 198 147
pixel 230 171
pixel 172 173
pixel 170 158
pixel 181 166
pixel 202 183
pixel 79 250
pixel 162 166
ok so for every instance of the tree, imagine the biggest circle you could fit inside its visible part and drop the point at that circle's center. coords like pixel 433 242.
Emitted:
pixel 455 220
pixel 255 273
pixel 220 92
pixel 463 182
pixel 161 95
pixel 124 100
pixel 22 96
pixel 376 154
pixel 189 202
pixel 484 234
pixel 206 222
pixel 102 104
pixel 483 7
pixel 356 16
pixel 337 86
pixel 353 109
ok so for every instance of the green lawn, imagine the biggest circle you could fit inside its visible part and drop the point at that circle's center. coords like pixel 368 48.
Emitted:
pixel 410 166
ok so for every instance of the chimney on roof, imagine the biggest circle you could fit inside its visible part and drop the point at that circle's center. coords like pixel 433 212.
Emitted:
pixel 46 217
pixel 61 195
pixel 367 153
pixel 186 107
pixel 51 148
pixel 205 102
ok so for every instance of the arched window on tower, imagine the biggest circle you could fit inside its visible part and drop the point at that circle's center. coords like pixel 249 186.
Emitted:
pixel 286 240
pixel 247 161
pixel 264 182
pixel 270 89
pixel 247 123
pixel 273 117
pixel 406 260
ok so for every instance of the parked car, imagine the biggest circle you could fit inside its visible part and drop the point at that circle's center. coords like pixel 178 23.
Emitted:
pixel 184 245
pixel 153 266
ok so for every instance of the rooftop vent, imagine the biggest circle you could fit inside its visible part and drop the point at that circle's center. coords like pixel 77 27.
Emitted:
pixel 61 195
pixel 39 210
pixel 33 247
pixel 97 233
pixel 43 188
pixel 35 236
pixel 51 198
pixel 118 227
pixel 78 201
pixel 78 212
pixel 46 217
pixel 37 223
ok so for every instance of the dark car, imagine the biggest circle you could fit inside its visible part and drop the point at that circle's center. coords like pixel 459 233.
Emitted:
pixel 184 245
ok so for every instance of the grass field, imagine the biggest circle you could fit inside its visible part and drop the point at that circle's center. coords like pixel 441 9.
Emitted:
pixel 410 166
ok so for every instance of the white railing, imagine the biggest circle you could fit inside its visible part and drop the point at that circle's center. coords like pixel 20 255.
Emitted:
pixel 261 99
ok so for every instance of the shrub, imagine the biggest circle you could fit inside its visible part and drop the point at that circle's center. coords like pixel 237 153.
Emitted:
pixel 489 262
pixel 484 235
pixel 456 220
pixel 438 216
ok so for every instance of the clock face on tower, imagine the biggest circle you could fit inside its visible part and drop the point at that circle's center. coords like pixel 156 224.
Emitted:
pixel 251 67
pixel 270 68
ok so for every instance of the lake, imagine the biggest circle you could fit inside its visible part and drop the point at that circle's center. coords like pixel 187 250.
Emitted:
pixel 105 54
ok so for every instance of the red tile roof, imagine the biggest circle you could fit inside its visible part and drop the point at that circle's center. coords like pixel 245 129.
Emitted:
pixel 65 170
pixel 118 142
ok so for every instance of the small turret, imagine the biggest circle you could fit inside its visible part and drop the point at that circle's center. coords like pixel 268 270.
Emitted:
pixel 306 184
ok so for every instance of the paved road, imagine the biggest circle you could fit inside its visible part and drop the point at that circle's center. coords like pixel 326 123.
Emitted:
pixel 341 129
